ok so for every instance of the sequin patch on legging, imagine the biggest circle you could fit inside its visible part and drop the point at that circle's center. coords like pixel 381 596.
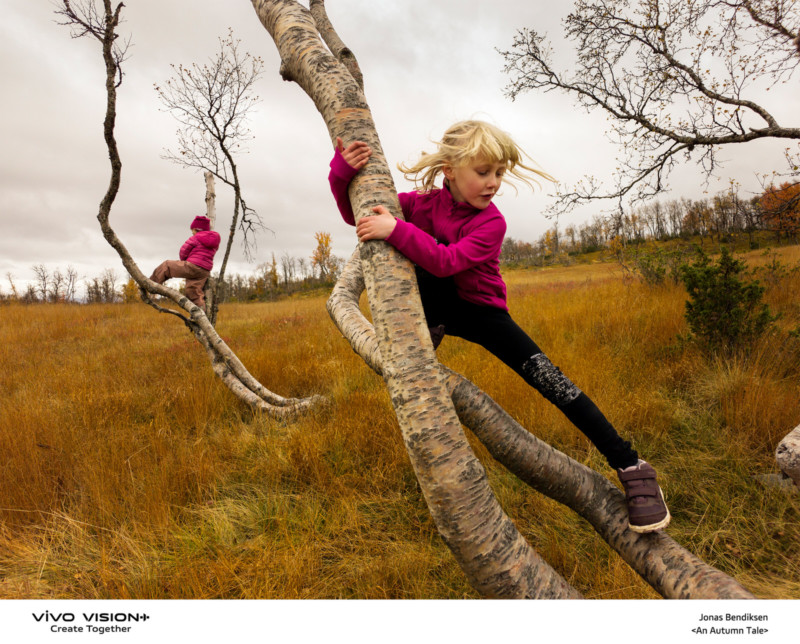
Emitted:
pixel 549 381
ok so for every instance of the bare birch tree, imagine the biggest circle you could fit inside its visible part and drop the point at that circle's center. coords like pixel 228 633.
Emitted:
pixel 71 283
pixel 496 559
pixel 212 103
pixel 58 284
pixel 42 281
pixel 13 286
pixel 211 198
pixel 678 80
pixel 86 19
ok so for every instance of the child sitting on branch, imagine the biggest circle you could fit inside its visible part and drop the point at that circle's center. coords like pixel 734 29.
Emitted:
pixel 196 260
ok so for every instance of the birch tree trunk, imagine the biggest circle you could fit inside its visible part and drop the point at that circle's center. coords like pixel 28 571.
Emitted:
pixel 493 554
pixel 86 20
pixel 210 289
pixel 211 198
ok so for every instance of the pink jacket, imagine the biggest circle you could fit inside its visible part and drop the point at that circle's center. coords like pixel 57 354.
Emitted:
pixel 199 249
pixel 442 236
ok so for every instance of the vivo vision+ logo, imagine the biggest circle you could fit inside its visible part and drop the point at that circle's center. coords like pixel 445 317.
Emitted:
pixel 65 622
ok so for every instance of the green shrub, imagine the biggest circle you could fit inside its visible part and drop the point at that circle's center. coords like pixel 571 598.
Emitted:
pixel 724 310
pixel 662 264
pixel 774 271
pixel 654 266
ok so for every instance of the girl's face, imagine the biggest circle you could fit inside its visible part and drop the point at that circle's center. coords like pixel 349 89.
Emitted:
pixel 475 183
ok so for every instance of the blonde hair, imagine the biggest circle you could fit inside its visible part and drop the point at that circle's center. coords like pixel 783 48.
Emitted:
pixel 468 140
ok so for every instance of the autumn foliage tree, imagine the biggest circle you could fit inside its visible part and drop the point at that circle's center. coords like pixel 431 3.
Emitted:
pixel 323 259
pixel 781 209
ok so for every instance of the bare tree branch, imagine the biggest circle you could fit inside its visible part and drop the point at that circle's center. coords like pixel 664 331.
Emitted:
pixel 84 18
pixel 335 44
pixel 678 79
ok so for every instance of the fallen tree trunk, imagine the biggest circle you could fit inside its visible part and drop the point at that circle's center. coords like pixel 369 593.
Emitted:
pixel 668 567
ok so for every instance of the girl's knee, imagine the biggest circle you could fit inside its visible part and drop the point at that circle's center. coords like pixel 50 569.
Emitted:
pixel 548 380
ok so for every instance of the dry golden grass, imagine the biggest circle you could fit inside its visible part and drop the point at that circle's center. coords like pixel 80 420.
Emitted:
pixel 130 472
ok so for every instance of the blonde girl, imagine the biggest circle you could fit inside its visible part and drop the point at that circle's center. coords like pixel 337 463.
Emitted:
pixel 454 235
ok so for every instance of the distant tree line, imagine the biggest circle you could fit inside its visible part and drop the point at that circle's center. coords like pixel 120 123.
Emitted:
pixel 284 276
pixel 278 278
pixel 61 286
pixel 717 219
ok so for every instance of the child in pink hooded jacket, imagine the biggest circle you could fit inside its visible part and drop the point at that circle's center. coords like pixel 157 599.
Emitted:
pixel 196 260
pixel 454 235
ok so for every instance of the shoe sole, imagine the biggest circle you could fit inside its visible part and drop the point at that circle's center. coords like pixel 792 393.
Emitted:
pixel 643 529
pixel 652 527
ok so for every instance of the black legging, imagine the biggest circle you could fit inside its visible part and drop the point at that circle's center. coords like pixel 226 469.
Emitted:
pixel 496 331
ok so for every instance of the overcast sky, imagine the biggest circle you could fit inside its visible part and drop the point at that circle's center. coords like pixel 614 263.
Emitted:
pixel 426 64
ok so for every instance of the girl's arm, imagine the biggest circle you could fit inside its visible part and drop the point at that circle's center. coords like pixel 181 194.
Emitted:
pixel 481 245
pixel 345 165
pixel 187 247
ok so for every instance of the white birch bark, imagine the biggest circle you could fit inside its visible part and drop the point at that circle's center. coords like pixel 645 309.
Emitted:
pixel 788 455
pixel 211 198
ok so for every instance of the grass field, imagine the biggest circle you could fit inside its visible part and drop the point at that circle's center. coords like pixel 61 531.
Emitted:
pixel 129 471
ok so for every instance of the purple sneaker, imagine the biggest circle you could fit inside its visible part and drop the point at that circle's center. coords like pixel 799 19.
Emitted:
pixel 647 511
